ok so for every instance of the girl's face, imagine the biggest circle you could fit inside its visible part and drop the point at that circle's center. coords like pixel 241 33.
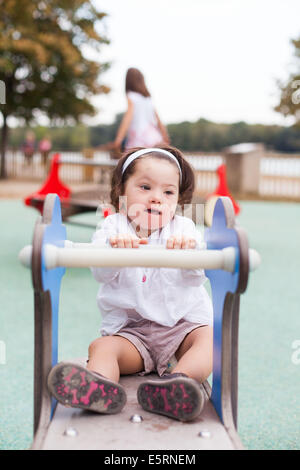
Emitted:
pixel 151 195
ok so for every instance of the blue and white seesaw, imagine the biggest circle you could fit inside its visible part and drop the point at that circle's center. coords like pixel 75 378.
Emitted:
pixel 226 260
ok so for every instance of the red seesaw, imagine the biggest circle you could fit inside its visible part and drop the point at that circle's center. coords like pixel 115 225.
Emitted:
pixel 73 202
pixel 53 184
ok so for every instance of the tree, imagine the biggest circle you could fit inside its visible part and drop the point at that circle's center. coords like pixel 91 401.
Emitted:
pixel 42 62
pixel 290 93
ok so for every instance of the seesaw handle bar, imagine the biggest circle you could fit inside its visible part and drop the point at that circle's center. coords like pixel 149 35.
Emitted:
pixel 87 257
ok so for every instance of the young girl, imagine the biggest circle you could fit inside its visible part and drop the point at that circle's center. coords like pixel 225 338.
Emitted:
pixel 140 125
pixel 153 319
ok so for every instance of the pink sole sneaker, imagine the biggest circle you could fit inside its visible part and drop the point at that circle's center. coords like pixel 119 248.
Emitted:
pixel 180 398
pixel 75 386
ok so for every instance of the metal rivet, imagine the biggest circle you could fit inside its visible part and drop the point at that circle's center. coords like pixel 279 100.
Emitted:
pixel 70 432
pixel 136 419
pixel 205 434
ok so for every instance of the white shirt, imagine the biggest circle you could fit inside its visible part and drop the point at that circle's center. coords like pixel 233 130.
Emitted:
pixel 162 295
pixel 143 130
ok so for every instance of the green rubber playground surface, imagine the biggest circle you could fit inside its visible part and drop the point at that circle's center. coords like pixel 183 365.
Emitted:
pixel 269 363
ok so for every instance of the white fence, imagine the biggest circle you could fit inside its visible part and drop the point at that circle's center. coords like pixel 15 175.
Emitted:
pixel 280 177
pixel 279 174
pixel 17 167
pixel 205 167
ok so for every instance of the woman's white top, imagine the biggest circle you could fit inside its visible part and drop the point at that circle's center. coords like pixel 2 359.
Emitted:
pixel 162 295
pixel 143 130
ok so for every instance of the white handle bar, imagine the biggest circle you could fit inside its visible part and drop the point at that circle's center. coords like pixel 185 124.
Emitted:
pixel 86 255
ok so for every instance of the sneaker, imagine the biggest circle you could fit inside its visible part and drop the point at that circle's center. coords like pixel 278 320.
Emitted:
pixel 174 395
pixel 75 386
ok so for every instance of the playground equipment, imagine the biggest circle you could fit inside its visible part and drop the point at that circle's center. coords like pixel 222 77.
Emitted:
pixel 73 202
pixel 221 190
pixel 227 261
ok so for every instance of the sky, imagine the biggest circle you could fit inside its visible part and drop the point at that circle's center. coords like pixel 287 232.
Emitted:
pixel 213 59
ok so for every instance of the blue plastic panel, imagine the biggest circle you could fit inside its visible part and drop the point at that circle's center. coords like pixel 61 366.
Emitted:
pixel 217 237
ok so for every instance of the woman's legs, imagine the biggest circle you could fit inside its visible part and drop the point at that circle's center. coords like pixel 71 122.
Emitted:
pixel 195 354
pixel 112 356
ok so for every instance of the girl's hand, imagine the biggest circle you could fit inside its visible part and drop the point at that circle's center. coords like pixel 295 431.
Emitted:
pixel 179 243
pixel 127 241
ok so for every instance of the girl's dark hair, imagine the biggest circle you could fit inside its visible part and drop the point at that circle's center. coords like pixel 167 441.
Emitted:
pixel 118 181
pixel 135 82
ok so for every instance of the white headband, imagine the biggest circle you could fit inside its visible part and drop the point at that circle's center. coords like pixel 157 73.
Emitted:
pixel 141 152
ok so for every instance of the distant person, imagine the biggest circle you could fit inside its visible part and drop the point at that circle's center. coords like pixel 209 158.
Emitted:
pixel 140 126
pixel 28 146
pixel 45 146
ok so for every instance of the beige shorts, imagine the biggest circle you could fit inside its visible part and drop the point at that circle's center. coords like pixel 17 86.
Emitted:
pixel 157 344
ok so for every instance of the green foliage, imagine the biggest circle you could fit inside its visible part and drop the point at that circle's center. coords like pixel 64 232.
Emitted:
pixel 105 133
pixel 67 138
pixel 209 136
pixel 202 135
pixel 41 58
pixel 43 65
pixel 289 104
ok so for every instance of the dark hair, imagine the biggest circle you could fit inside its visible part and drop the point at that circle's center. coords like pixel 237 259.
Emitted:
pixel 135 82
pixel 118 181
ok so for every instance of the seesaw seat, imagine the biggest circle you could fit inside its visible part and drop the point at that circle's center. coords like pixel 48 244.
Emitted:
pixel 75 429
